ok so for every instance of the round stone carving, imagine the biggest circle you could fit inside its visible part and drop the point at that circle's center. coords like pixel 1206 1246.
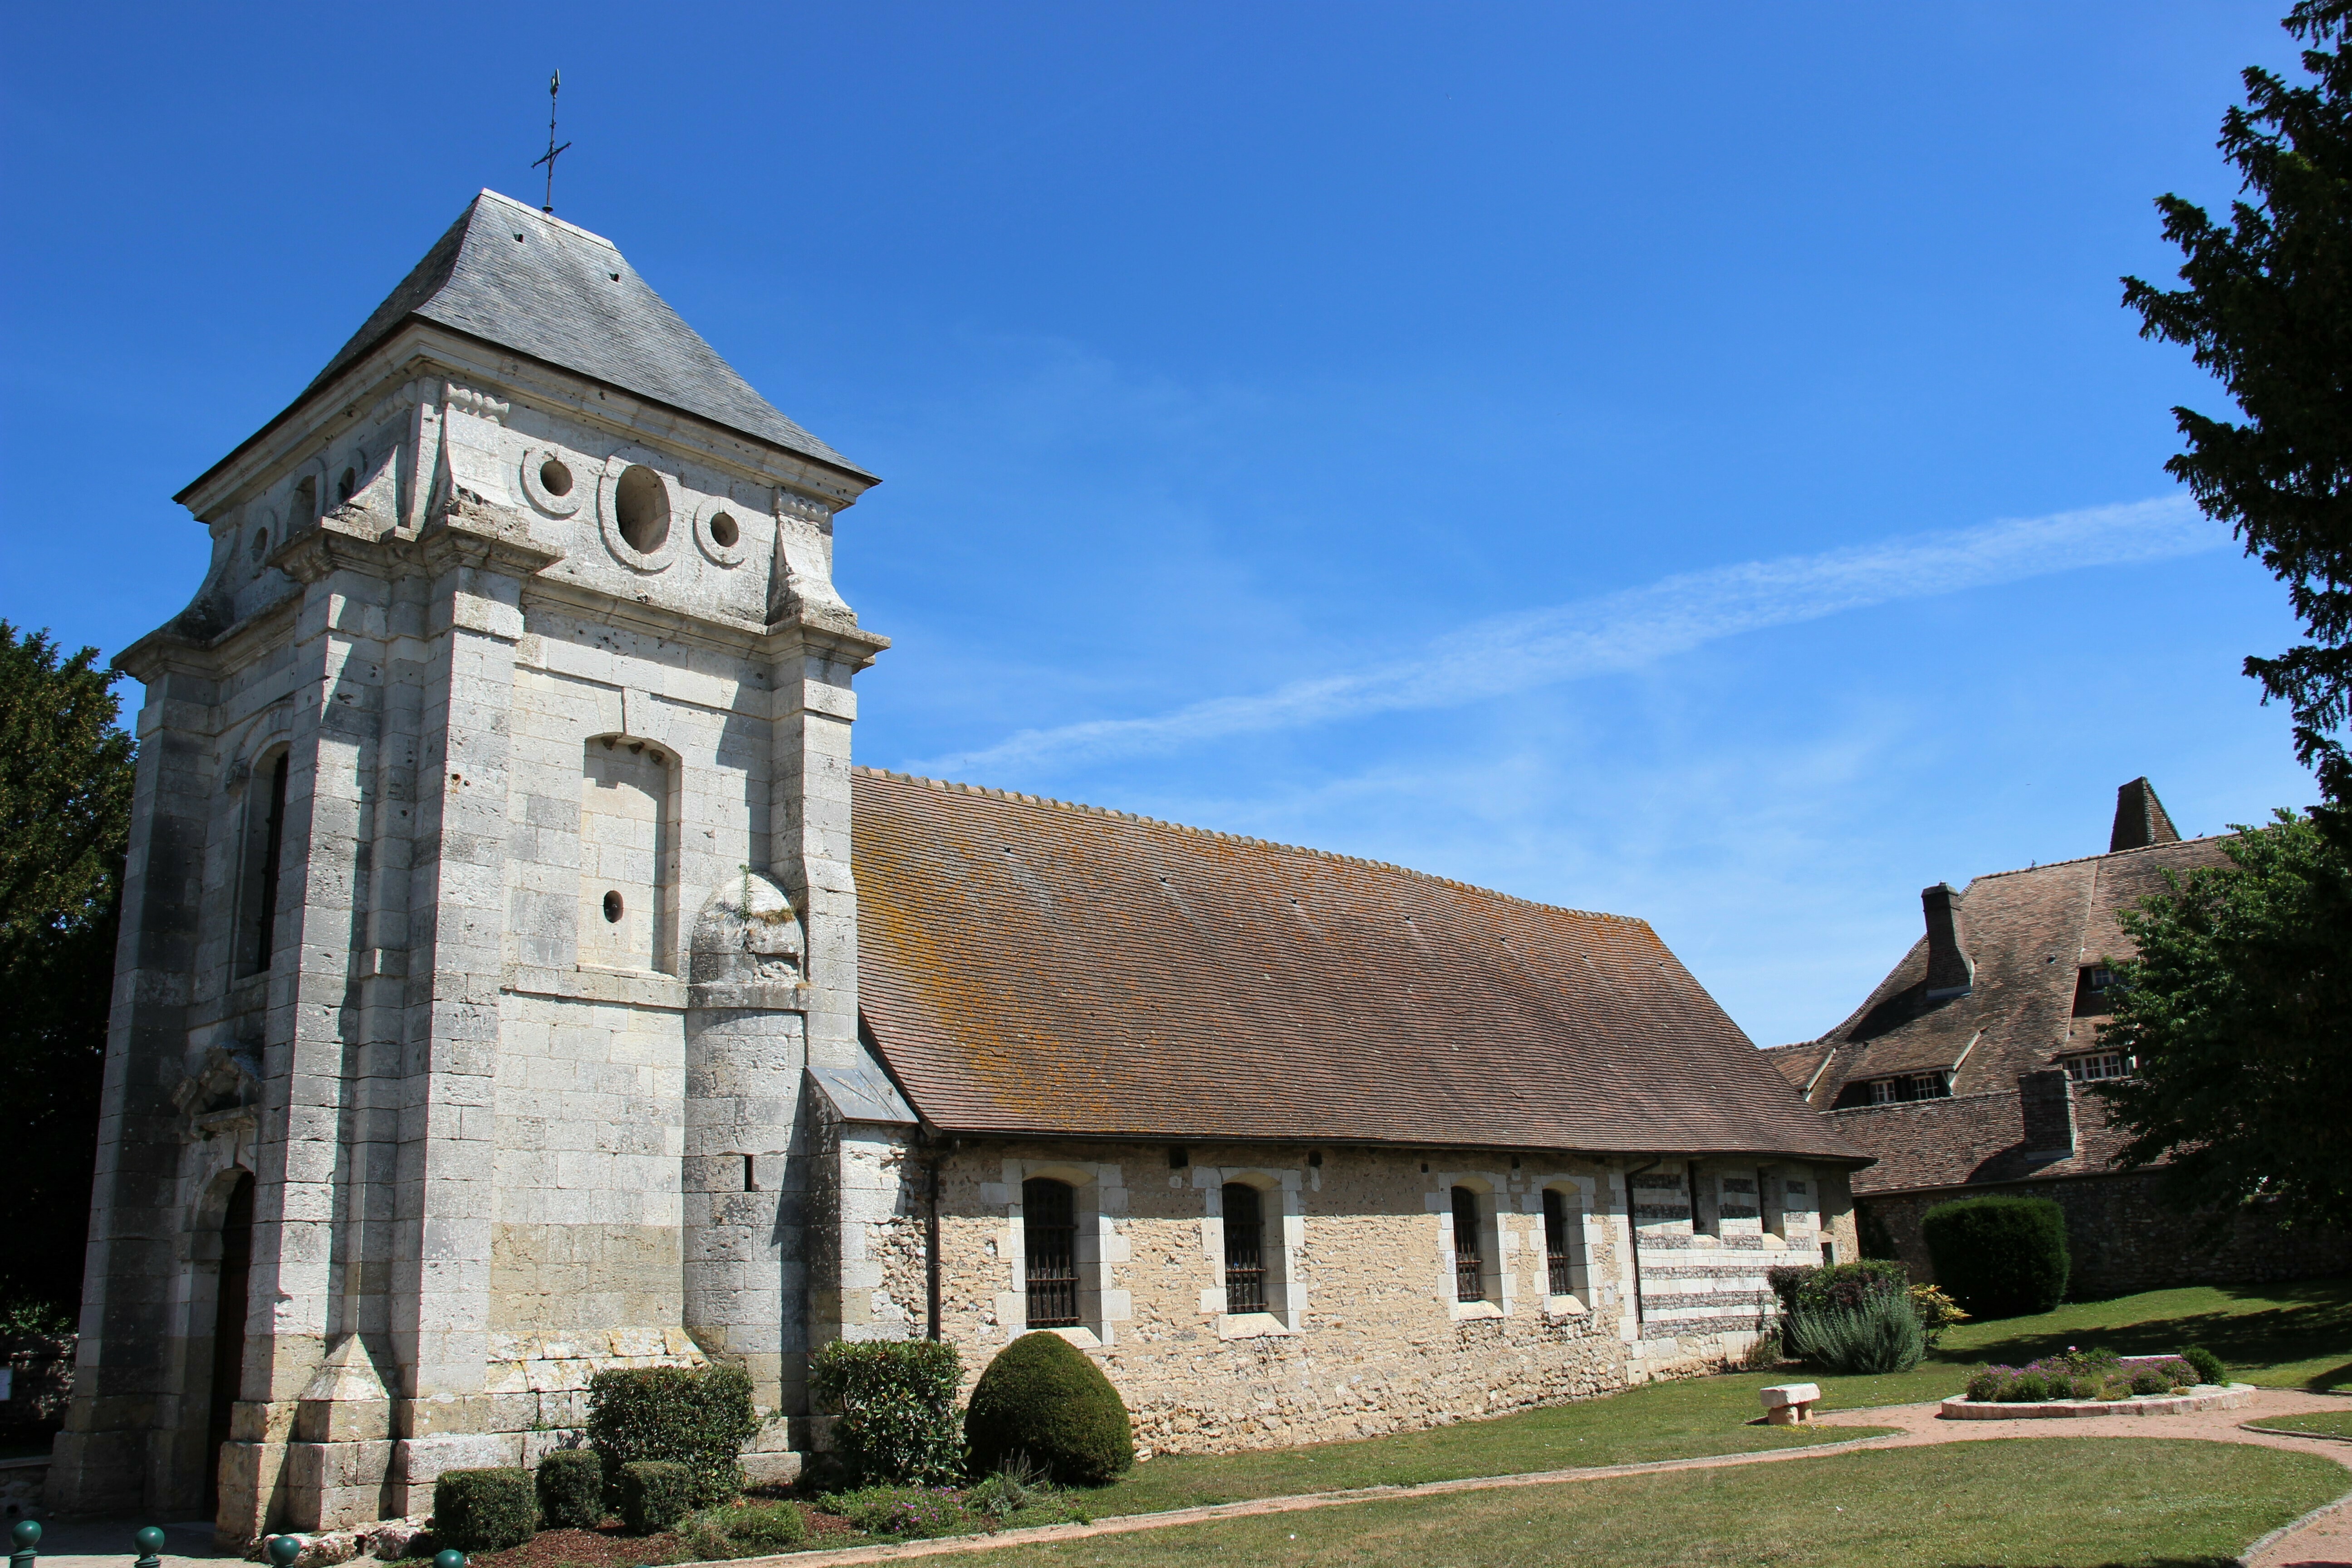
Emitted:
pixel 635 506
pixel 553 484
pixel 719 530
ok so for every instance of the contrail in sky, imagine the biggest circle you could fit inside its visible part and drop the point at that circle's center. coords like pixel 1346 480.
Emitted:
pixel 1636 626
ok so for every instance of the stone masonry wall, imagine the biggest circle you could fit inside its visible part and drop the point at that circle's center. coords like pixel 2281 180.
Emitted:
pixel 2123 1241
pixel 1364 1334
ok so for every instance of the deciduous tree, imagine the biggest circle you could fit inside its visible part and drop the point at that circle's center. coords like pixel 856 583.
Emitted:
pixel 65 819
pixel 2239 1011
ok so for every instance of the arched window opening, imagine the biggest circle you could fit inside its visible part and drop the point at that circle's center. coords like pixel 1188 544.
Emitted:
pixel 1469 1264
pixel 1560 1257
pixel 626 914
pixel 1245 1248
pixel 1049 1215
pixel 229 1302
pixel 270 846
pixel 305 510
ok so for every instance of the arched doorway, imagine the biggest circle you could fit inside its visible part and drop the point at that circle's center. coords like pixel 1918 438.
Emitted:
pixel 229 1330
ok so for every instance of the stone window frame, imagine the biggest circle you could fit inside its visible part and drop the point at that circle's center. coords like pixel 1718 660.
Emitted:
pixel 1281 1197
pixel 1580 1195
pixel 669 883
pixel 1099 1192
pixel 1704 1190
pixel 251 889
pixel 1498 1242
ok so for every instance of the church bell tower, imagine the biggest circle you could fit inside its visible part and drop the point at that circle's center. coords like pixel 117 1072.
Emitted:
pixel 489 903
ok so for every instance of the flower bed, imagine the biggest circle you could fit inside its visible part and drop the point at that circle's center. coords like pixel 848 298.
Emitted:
pixel 2096 1382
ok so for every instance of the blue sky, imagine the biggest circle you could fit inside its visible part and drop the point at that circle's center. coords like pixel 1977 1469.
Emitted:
pixel 1683 461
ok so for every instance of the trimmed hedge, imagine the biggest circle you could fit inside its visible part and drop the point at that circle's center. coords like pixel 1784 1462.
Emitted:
pixel 571 1489
pixel 1999 1257
pixel 484 1510
pixel 655 1495
pixel 1044 1399
pixel 1842 1287
pixel 696 1416
pixel 896 1398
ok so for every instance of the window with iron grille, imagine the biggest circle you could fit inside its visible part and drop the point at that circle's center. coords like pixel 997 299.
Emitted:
pixel 1049 1225
pixel 1562 1262
pixel 1469 1267
pixel 1245 1248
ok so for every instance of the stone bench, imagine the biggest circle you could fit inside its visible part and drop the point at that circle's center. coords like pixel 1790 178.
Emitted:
pixel 1788 1404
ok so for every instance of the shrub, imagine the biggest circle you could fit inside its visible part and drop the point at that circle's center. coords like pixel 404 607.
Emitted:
pixel 696 1416
pixel 1041 1398
pixel 1999 1257
pixel 2031 1388
pixel 2206 1364
pixel 1843 1287
pixel 571 1489
pixel 910 1512
pixel 1882 1334
pixel 752 1530
pixel 1936 1311
pixel 2147 1380
pixel 484 1510
pixel 655 1495
pixel 896 1398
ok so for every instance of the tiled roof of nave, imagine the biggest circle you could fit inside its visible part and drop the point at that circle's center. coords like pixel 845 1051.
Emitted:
pixel 1027 966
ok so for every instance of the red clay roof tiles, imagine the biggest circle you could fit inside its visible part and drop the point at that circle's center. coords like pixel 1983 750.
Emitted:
pixel 1027 966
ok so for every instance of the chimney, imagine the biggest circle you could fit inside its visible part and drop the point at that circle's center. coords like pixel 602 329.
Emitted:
pixel 2046 1104
pixel 1950 971
pixel 2140 819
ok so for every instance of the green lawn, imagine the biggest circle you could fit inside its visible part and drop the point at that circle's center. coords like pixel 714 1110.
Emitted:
pixel 2279 1336
pixel 1657 1421
pixel 2148 1501
pixel 2326 1423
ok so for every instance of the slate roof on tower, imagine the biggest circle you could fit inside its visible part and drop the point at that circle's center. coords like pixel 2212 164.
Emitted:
pixel 1029 967
pixel 512 276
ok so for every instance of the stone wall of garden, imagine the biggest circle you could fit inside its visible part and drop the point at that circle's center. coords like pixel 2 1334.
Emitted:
pixel 2124 1241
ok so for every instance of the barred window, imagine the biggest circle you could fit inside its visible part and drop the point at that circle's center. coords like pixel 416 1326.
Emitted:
pixel 1469 1267
pixel 1049 1223
pixel 1560 1261
pixel 1245 1248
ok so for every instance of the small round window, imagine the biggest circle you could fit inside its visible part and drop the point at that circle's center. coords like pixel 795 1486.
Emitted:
pixel 613 907
pixel 641 507
pixel 724 531
pixel 554 477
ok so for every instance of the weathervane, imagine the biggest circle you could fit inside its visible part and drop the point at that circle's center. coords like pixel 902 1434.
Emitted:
pixel 555 86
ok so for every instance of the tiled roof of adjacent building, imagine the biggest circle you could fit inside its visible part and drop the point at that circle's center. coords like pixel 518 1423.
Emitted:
pixel 512 276
pixel 2031 935
pixel 1027 966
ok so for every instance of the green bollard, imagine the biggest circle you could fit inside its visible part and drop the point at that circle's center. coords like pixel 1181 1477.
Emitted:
pixel 448 1557
pixel 150 1542
pixel 28 1537
pixel 283 1549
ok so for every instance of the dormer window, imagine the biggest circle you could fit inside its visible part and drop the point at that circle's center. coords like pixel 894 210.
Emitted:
pixel 2092 1066
pixel 1901 1088
pixel 2095 988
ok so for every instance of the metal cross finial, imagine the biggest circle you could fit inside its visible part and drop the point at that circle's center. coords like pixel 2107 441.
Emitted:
pixel 555 86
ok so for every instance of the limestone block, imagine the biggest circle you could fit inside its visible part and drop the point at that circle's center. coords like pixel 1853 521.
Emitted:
pixel 1790 1404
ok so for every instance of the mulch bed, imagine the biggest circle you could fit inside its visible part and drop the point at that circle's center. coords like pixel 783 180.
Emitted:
pixel 610 1545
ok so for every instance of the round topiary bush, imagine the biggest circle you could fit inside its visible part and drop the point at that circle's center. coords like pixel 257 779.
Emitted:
pixel 1999 1257
pixel 1044 1399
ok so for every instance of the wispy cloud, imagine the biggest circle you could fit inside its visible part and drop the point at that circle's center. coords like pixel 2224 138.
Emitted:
pixel 1626 630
